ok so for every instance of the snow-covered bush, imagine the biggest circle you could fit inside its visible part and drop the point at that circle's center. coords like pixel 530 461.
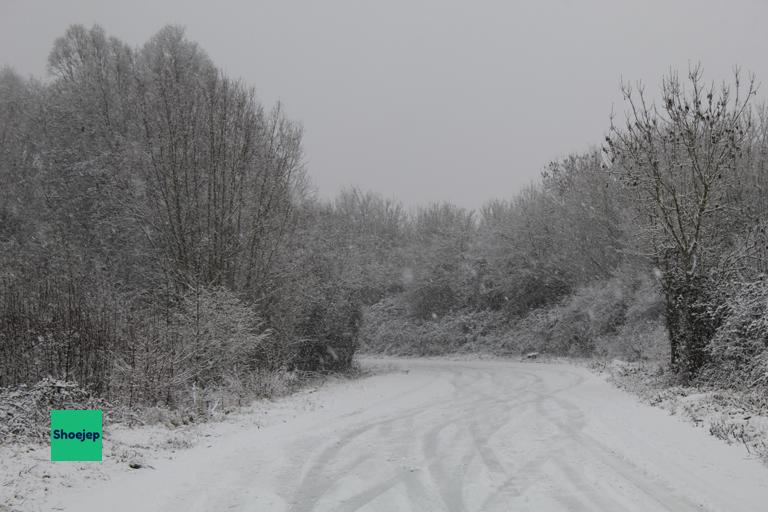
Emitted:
pixel 636 341
pixel 210 334
pixel 739 349
pixel 618 317
pixel 54 327
pixel 643 333
pixel 219 334
pixel 388 328
pixel 328 334
pixel 25 411
pixel 592 311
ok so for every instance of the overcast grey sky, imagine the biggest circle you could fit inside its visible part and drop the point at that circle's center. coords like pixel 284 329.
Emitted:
pixel 428 100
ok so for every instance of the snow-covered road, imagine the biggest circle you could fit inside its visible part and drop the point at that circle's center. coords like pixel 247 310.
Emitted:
pixel 452 436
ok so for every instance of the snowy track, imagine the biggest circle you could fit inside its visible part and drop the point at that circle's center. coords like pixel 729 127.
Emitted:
pixel 453 436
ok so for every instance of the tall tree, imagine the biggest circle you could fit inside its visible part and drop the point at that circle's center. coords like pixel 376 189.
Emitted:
pixel 682 157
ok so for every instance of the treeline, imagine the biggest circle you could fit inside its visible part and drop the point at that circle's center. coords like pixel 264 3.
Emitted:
pixel 158 237
pixel 156 233
pixel 652 246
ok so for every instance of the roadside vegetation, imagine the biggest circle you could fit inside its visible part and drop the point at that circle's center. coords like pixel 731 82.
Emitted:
pixel 650 249
pixel 160 246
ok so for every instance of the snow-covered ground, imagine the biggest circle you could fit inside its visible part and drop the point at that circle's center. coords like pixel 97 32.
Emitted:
pixel 736 417
pixel 437 435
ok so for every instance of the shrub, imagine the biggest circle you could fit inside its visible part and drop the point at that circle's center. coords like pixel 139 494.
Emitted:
pixel 55 327
pixel 739 347
pixel 617 317
pixel 328 335
pixel 388 328
pixel 636 341
pixel 605 317
pixel 431 300
pixel 25 411
pixel 219 334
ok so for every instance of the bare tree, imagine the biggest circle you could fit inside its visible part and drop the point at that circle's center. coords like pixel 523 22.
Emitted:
pixel 681 158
